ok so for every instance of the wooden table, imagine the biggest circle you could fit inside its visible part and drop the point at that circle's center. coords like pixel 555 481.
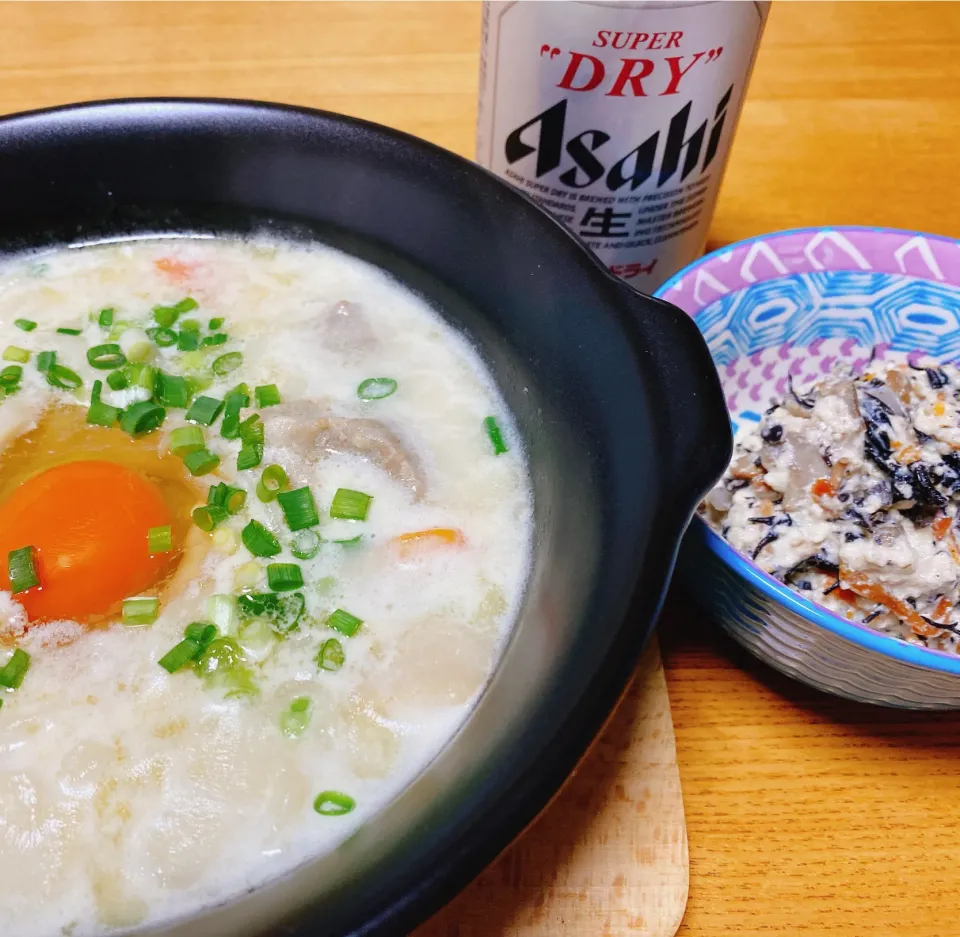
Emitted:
pixel 805 813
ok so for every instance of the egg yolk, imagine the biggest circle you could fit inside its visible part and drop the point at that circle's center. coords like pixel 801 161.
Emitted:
pixel 88 523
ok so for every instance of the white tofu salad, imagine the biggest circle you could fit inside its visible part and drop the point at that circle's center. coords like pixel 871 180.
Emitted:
pixel 848 492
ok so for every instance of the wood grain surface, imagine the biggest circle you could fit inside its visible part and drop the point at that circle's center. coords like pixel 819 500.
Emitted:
pixel 805 814
pixel 609 855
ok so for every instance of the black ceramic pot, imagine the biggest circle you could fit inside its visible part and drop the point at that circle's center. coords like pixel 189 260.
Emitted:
pixel 614 393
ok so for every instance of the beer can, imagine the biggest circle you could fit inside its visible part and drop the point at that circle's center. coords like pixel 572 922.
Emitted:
pixel 618 118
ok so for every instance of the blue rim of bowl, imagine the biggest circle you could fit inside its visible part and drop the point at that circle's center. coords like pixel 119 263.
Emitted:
pixel 862 635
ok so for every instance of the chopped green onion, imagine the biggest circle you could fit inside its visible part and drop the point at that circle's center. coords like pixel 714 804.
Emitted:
pixel 295 720
pixel 235 500
pixel 213 340
pixel 238 681
pixel 209 516
pixel 200 631
pixel 180 655
pixel 102 414
pixel 495 436
pixel 376 388
pixel 267 395
pixel 215 324
pixel 330 656
pixel 65 331
pixel 117 380
pixel 63 377
pixel 140 375
pixel 233 403
pixel 26 325
pixel 143 417
pixel 204 410
pixel 106 357
pixel 350 505
pixel 196 382
pixel 163 338
pixel 344 622
pixel 258 540
pixel 201 461
pixel 160 540
pixel 15 669
pixel 170 390
pixel 284 577
pixel 333 803
pixel 135 344
pixel 251 429
pixel 226 363
pixel 140 611
pixel 166 315
pixel 10 378
pixel 351 541
pixel 13 353
pixel 188 340
pixel 249 456
pixel 221 654
pixel 306 545
pixel 105 318
pixel 222 611
pixel 45 360
pixel 223 495
pixel 186 439
pixel 190 325
pixel 11 375
pixel 283 612
pixel 299 509
pixel 22 570
pixel 272 481
pixel 217 494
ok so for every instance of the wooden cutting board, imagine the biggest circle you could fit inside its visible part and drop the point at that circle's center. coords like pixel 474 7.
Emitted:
pixel 608 858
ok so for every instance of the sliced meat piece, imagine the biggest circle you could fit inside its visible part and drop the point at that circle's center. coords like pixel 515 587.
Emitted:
pixel 302 427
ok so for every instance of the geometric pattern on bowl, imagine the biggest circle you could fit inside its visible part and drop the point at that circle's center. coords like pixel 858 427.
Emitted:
pixel 792 304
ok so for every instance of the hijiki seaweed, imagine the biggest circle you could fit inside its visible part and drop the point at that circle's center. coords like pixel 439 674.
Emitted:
pixel 848 491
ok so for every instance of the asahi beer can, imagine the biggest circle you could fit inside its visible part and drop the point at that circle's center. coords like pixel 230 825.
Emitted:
pixel 618 118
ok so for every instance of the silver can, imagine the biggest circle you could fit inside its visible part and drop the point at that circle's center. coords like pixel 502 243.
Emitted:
pixel 618 118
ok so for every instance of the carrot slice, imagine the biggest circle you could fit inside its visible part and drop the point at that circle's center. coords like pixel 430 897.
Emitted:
pixel 951 541
pixel 942 610
pixel 862 585
pixel 822 488
pixel 908 455
pixel 845 595
pixel 176 269
pixel 413 541
pixel 941 527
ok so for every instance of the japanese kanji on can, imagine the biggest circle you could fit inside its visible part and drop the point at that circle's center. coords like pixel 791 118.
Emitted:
pixel 618 118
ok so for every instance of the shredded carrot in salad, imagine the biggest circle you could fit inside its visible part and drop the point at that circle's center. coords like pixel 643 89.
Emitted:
pixel 862 585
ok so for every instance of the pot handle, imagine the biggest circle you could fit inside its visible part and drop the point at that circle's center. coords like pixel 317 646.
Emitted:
pixel 692 415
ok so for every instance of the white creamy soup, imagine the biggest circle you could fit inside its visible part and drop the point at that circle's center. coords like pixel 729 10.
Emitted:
pixel 264 526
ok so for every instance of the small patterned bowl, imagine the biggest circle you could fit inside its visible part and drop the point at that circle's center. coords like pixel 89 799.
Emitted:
pixel 793 303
